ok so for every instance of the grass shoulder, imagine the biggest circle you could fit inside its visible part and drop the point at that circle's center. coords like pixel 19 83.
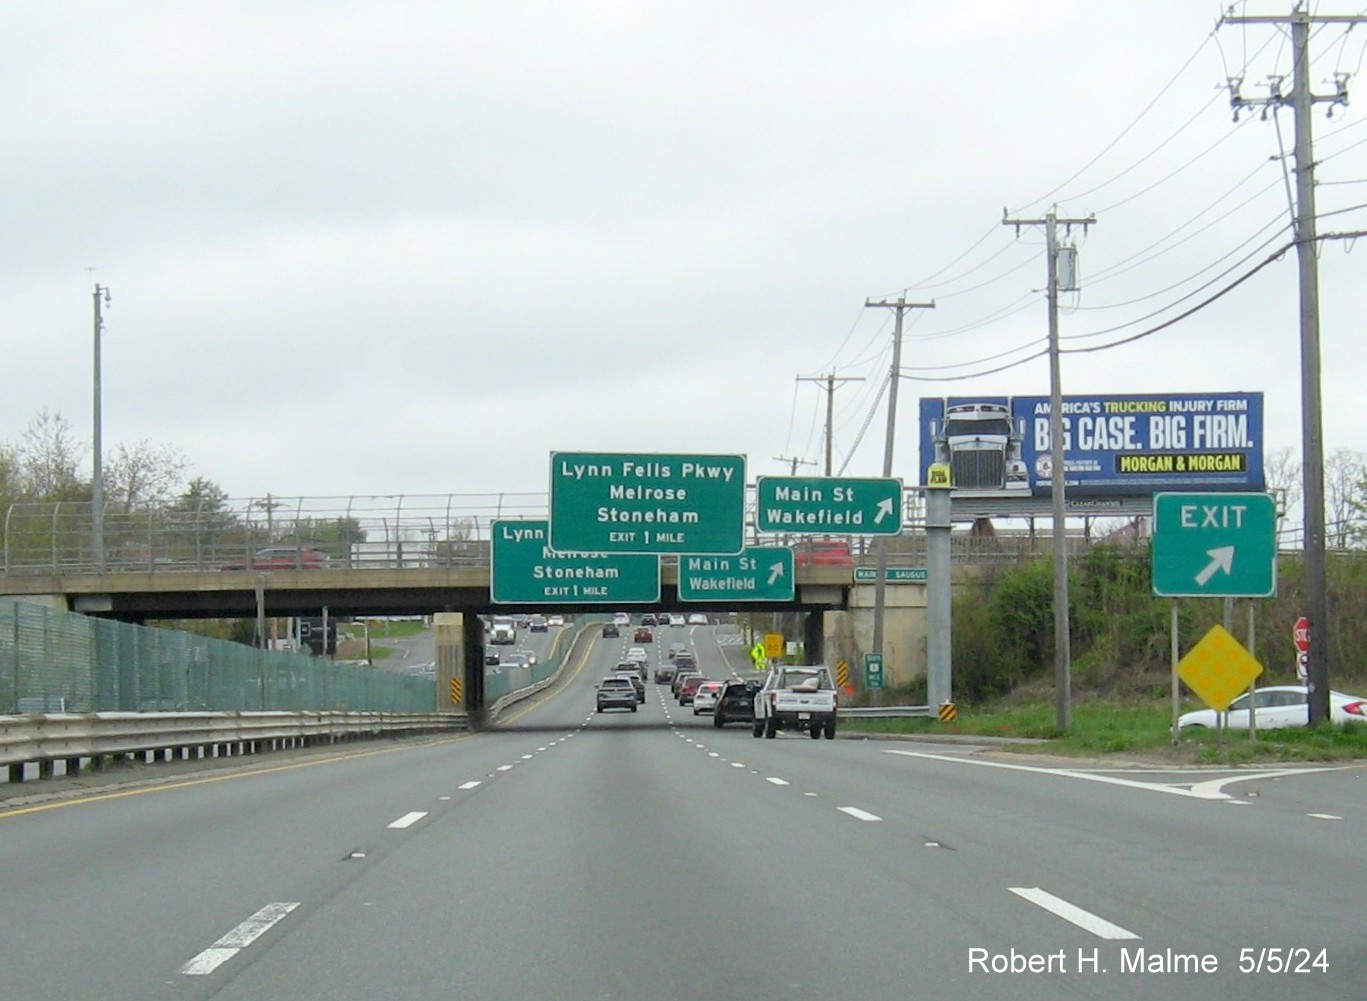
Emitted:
pixel 1134 730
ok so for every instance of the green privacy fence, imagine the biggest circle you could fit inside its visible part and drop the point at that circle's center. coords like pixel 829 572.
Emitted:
pixel 59 661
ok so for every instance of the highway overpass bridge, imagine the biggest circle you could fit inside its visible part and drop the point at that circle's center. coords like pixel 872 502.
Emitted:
pixel 380 556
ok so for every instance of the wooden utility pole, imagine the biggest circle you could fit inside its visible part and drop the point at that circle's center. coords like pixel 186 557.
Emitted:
pixel 881 545
pixel 831 381
pixel 1063 656
pixel 1301 102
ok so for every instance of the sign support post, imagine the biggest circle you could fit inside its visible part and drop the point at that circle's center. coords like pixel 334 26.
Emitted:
pixel 939 622
pixel 1176 692
pixel 1252 639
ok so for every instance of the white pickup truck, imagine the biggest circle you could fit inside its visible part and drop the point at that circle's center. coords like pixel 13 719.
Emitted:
pixel 797 698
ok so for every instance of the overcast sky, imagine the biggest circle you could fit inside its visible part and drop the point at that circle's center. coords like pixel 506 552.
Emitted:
pixel 404 247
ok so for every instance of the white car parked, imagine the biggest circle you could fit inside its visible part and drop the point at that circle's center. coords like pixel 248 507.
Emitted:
pixel 1278 706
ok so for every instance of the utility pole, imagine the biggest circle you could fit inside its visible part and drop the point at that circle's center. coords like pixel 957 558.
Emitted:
pixel 97 477
pixel 831 382
pixel 881 545
pixel 794 461
pixel 1301 101
pixel 1063 656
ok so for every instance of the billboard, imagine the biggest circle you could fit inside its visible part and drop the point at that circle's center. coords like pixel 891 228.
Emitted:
pixel 1114 445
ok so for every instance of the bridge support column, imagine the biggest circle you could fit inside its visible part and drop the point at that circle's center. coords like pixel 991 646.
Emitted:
pixel 474 670
pixel 814 636
pixel 460 665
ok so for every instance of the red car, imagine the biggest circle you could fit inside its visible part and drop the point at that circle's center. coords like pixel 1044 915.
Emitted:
pixel 284 558
pixel 823 553
pixel 689 688
pixel 644 635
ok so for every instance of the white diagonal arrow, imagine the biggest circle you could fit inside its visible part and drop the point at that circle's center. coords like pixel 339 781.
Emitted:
pixel 1220 559
pixel 884 508
pixel 775 572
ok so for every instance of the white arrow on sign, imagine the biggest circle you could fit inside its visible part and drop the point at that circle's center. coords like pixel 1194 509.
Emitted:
pixel 775 572
pixel 884 508
pixel 1221 559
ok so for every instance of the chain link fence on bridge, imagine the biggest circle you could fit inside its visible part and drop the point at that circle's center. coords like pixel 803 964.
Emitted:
pixel 52 661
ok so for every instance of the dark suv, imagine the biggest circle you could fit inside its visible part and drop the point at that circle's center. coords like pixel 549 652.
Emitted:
pixel 610 629
pixel 736 703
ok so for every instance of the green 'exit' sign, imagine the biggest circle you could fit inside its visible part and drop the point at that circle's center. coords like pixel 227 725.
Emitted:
pixel 1218 545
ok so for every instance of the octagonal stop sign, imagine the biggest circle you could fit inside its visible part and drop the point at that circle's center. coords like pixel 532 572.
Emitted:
pixel 1301 634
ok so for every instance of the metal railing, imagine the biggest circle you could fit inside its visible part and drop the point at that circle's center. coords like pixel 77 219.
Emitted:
pixel 359 533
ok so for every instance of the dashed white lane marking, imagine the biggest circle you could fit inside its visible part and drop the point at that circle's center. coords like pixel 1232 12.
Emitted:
pixel 1085 920
pixel 858 814
pixel 526 757
pixel 408 820
pixel 737 764
pixel 776 781
pixel 443 799
pixel 809 794
pixel 713 754
pixel 468 785
pixel 1324 816
pixel 236 940
pixel 504 768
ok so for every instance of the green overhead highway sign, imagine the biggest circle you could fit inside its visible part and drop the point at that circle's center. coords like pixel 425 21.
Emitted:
pixel 609 502
pixel 760 573
pixel 818 505
pixel 894 575
pixel 1214 545
pixel 524 570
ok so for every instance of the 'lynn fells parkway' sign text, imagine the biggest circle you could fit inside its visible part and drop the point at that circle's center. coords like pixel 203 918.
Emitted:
pixel 609 502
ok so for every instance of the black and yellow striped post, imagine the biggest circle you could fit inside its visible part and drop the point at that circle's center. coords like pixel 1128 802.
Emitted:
pixel 842 673
pixel 948 712
pixel 456 692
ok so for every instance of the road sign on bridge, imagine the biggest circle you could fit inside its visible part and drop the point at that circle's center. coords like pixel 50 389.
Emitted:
pixel 609 502
pixel 1214 545
pixel 523 569
pixel 820 505
pixel 760 573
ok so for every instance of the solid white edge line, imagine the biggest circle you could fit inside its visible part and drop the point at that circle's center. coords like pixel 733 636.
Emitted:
pixel 1069 773
pixel 408 820
pixel 858 814
pixel 1073 914
pixel 238 939
pixel 468 785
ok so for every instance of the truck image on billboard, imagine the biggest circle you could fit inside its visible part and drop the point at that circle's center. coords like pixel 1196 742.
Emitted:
pixel 1130 445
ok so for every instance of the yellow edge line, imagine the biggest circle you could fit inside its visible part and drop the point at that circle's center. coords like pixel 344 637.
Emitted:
pixel 583 661
pixel 125 793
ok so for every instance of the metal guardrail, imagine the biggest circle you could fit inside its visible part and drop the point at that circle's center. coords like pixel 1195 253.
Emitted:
pixel 96 738
pixel 885 712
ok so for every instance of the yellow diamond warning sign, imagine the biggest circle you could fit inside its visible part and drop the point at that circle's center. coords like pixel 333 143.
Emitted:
pixel 1218 669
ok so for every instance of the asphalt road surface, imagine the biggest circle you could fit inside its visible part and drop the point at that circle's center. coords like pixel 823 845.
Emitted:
pixel 649 855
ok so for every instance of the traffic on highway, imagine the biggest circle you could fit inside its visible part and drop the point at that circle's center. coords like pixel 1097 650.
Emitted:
pixel 653 849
